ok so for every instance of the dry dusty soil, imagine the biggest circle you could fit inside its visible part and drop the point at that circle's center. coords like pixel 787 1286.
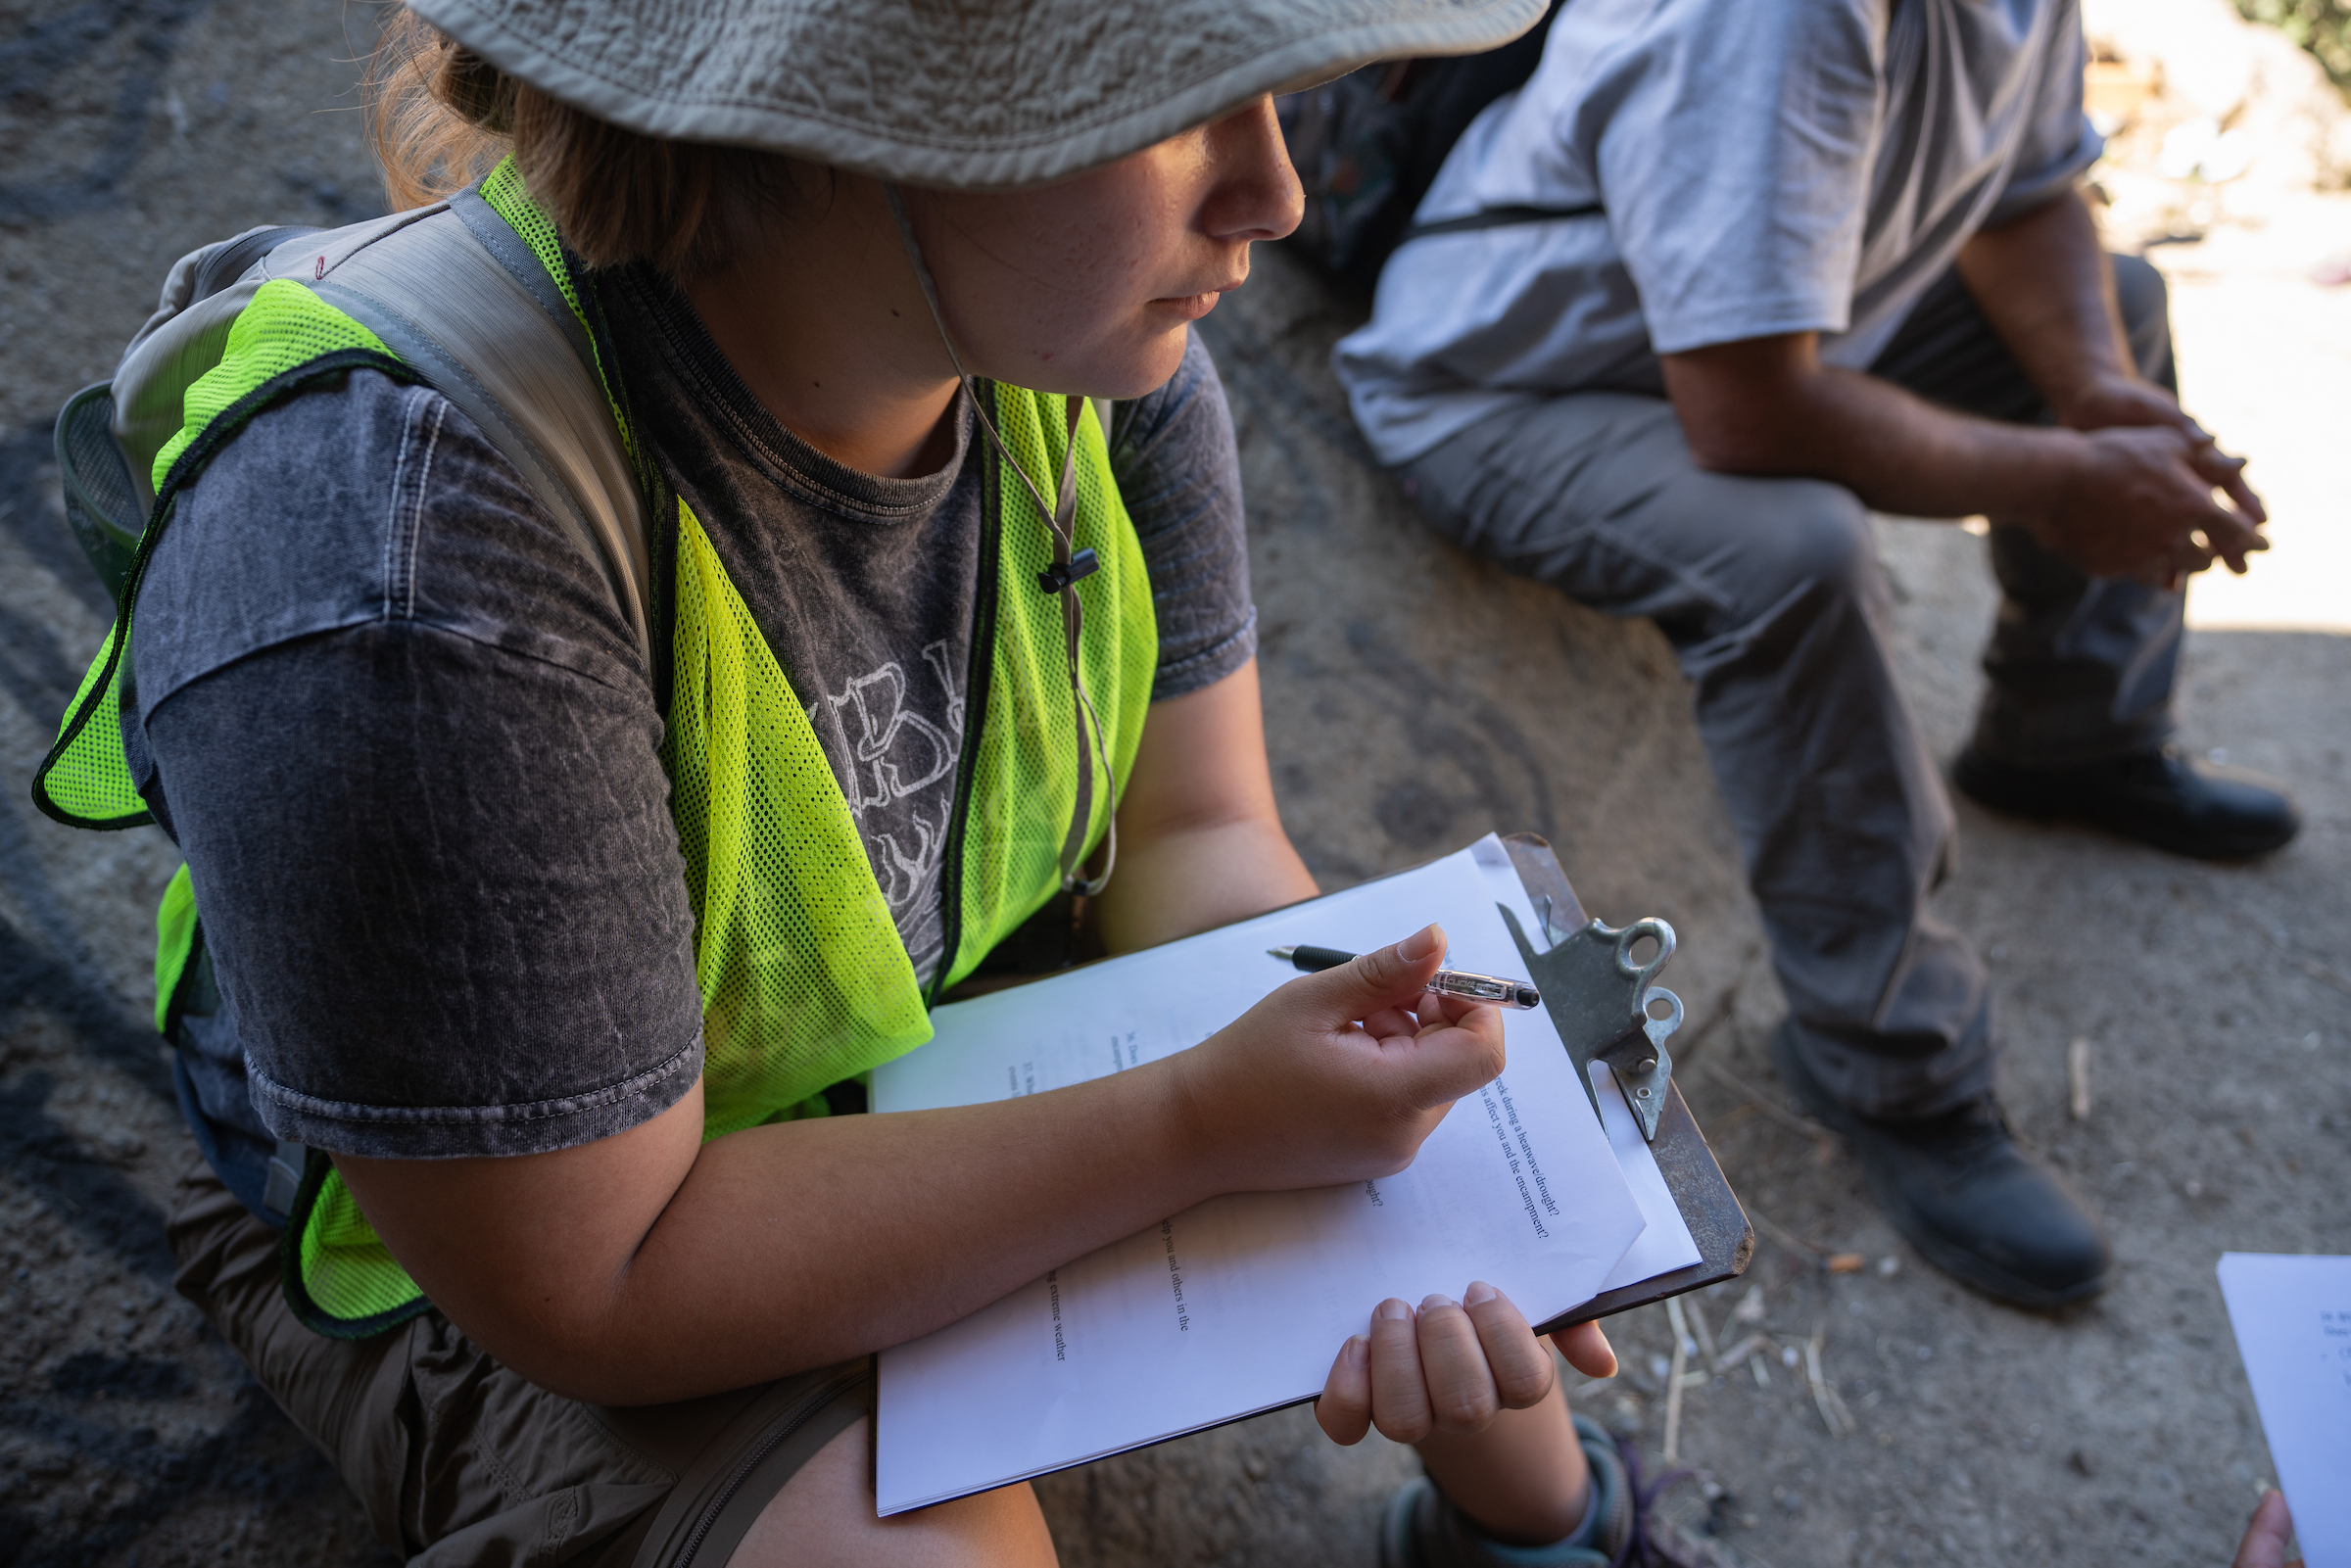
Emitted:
pixel 1414 699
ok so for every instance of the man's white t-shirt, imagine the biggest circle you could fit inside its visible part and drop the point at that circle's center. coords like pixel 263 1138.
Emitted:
pixel 1764 165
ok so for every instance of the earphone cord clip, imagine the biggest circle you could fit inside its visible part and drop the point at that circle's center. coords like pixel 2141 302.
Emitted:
pixel 1060 519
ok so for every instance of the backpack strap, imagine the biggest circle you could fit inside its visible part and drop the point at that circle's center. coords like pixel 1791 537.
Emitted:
pixel 461 299
pixel 457 296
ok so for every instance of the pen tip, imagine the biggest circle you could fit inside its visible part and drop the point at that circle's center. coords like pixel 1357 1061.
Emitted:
pixel 1285 954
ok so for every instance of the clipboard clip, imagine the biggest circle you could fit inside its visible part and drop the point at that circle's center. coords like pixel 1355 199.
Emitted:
pixel 1600 999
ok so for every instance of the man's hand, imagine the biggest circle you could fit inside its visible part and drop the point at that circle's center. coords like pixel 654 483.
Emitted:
pixel 1450 1367
pixel 2141 506
pixel 1334 1077
pixel 2117 400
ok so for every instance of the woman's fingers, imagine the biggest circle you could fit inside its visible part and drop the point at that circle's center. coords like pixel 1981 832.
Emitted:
pixel 1587 1350
pixel 1398 1396
pixel 1461 1397
pixel 1449 1367
pixel 1344 1411
pixel 1519 1365
pixel 2263 1545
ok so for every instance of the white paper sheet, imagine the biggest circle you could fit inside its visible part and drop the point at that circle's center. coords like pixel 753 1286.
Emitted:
pixel 1239 1305
pixel 2292 1316
pixel 1666 1244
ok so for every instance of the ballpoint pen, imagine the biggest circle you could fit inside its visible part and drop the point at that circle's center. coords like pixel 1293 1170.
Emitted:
pixel 1491 989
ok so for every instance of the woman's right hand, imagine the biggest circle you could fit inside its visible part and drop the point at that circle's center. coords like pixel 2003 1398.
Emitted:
pixel 1336 1076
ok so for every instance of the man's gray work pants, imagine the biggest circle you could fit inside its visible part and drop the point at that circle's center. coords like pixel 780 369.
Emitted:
pixel 1771 593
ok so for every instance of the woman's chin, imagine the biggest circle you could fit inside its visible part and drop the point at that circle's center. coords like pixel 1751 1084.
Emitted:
pixel 1120 375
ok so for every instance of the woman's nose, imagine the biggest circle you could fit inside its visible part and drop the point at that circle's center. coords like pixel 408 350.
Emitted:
pixel 1256 195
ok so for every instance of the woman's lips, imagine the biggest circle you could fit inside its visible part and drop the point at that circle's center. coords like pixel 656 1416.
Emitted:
pixel 1190 307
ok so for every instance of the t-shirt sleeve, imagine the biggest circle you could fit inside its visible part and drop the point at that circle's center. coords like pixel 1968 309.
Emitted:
pixel 1179 472
pixel 406 747
pixel 2059 143
pixel 1734 166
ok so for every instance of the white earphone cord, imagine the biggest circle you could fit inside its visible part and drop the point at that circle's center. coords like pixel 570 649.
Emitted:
pixel 1059 520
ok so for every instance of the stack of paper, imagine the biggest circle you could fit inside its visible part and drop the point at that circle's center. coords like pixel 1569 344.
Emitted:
pixel 1238 1306
pixel 2292 1316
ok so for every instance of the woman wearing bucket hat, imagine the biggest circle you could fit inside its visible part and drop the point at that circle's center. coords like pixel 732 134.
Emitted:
pixel 634 629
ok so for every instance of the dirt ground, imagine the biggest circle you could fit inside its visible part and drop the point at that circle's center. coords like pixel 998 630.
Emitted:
pixel 1416 699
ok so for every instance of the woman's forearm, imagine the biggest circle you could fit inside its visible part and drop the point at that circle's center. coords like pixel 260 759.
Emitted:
pixel 649 1266
pixel 1196 880
pixel 1200 838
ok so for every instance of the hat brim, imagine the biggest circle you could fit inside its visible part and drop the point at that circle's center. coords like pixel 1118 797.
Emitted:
pixel 992 96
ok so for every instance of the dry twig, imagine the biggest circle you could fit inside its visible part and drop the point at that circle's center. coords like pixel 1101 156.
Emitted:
pixel 1673 1381
pixel 1784 1236
pixel 1754 1097
pixel 1700 1329
pixel 1750 1346
pixel 1839 1419
pixel 2326 977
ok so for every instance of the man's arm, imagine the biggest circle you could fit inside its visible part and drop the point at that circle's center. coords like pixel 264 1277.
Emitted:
pixel 2126 490
pixel 1200 840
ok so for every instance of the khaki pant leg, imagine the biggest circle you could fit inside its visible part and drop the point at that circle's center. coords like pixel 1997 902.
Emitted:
pixel 458 1461
pixel 454 1458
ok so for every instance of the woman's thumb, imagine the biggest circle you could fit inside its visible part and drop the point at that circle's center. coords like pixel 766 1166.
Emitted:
pixel 1386 977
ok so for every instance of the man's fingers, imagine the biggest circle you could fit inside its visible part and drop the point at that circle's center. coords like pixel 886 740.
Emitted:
pixel 1515 1359
pixel 1398 1396
pixel 1344 1411
pixel 2229 473
pixel 2232 537
pixel 1587 1350
pixel 1461 1397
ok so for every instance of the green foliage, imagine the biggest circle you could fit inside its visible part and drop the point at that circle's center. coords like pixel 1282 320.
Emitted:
pixel 2321 26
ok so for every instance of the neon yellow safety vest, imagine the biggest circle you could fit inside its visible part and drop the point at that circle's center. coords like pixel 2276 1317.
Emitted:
pixel 804 978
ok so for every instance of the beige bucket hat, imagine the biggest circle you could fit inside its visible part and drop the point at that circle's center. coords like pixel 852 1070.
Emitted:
pixel 974 94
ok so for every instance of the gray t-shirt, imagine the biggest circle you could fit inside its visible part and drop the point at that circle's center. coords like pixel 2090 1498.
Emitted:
pixel 403 738
pixel 1765 167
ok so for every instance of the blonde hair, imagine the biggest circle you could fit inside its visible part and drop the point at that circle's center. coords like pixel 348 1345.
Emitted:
pixel 442 118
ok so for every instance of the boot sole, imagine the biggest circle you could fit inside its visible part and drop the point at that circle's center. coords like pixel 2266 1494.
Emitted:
pixel 1938 1248
pixel 2032 808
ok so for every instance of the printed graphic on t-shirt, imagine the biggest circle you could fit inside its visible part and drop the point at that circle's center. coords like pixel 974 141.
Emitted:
pixel 901 734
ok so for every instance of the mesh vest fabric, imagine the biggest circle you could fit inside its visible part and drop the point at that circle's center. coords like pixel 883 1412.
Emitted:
pixel 804 978
pixel 85 781
pixel 1028 756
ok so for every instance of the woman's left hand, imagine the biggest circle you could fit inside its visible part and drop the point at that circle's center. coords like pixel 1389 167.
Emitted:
pixel 1450 1367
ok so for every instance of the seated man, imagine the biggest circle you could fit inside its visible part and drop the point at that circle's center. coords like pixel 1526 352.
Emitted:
pixel 1724 275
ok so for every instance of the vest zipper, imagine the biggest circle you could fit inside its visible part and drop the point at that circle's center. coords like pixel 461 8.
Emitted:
pixel 976 683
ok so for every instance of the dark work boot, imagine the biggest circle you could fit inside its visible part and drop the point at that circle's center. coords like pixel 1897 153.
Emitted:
pixel 2157 797
pixel 1960 1190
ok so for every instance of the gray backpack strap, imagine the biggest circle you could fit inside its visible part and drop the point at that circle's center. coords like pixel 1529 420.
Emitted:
pixel 513 358
pixel 452 291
